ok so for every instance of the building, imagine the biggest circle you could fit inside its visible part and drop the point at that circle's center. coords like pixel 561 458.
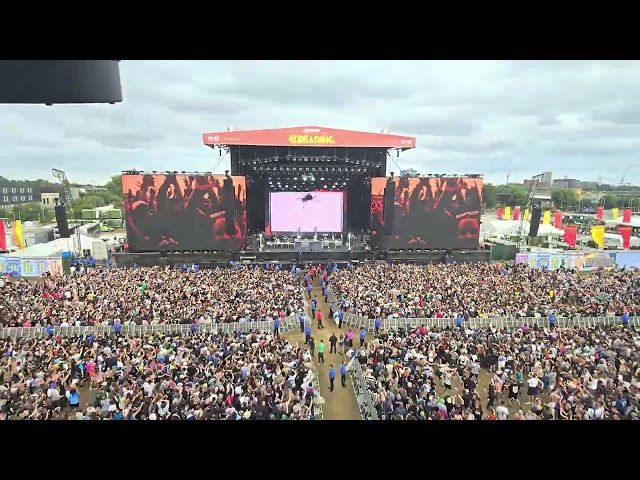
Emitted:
pixel 565 182
pixel 50 199
pixel 17 193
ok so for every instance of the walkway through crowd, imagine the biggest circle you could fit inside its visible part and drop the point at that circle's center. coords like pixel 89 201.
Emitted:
pixel 341 403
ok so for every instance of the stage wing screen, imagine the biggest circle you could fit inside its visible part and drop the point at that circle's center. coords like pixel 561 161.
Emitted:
pixel 429 212
pixel 307 211
pixel 183 212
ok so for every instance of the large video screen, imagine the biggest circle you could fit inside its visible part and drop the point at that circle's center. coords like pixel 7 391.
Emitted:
pixel 319 211
pixel 183 212
pixel 429 212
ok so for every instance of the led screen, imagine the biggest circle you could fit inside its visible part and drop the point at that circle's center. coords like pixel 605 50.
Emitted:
pixel 428 212
pixel 184 212
pixel 306 211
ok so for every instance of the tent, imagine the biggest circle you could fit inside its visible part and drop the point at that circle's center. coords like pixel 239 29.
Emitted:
pixel 54 248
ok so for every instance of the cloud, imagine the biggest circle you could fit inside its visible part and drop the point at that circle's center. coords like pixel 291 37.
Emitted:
pixel 575 118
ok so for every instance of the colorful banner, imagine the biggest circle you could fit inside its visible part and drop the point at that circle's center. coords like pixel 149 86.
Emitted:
pixel 546 219
pixel 500 213
pixel 628 259
pixel 597 234
pixel 38 266
pixel 507 213
pixel 626 215
pixel 17 234
pixel 555 261
pixel 3 236
pixel 10 265
pixel 599 213
pixel 614 213
pixel 526 215
pixel 625 233
pixel 309 136
pixel 571 235
pixel 557 220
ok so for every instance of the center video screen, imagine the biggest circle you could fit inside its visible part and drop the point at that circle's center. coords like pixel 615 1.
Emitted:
pixel 306 211
pixel 184 212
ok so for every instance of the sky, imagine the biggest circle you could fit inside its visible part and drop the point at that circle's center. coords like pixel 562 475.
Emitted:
pixel 579 119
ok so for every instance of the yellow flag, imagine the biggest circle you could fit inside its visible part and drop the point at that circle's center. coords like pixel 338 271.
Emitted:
pixel 597 234
pixel 507 213
pixel 546 220
pixel 526 214
pixel 614 213
pixel 17 234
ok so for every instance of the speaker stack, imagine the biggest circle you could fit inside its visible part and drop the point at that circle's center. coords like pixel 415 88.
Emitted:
pixel 536 215
pixel 61 221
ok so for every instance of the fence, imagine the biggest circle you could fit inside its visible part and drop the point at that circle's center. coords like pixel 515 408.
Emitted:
pixel 366 404
pixel 286 325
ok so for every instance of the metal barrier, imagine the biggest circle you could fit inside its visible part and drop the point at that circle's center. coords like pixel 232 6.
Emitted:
pixel 366 405
pixel 315 382
pixel 265 326
pixel 356 321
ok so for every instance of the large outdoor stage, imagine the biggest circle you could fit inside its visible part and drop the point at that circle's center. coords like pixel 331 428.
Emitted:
pixel 222 259
pixel 303 194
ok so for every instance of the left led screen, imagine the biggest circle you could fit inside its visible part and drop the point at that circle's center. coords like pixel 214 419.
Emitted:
pixel 184 212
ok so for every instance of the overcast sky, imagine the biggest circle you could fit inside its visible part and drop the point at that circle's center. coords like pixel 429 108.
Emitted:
pixel 579 119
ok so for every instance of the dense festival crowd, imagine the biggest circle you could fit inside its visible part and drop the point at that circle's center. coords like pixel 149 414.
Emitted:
pixel 484 290
pixel 526 374
pixel 149 296
pixel 194 377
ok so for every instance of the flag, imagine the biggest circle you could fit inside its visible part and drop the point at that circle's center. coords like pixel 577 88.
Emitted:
pixel 557 220
pixel 625 233
pixel 626 215
pixel 500 213
pixel 516 213
pixel 571 235
pixel 599 213
pixel 3 236
pixel 546 220
pixel 507 213
pixel 17 234
pixel 526 214
pixel 597 234
pixel 614 213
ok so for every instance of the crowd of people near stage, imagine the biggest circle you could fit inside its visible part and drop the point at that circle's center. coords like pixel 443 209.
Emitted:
pixel 483 290
pixel 196 377
pixel 494 374
pixel 149 296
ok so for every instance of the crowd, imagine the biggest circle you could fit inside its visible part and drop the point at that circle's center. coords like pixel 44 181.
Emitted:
pixel 484 290
pixel 148 296
pixel 494 374
pixel 194 377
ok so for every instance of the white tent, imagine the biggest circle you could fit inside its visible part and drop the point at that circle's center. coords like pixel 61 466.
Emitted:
pixel 54 248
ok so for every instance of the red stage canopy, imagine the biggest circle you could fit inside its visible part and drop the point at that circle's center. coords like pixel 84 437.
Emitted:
pixel 309 137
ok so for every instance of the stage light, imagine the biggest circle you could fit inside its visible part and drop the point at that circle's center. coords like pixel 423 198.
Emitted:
pixel 322 178
pixel 295 178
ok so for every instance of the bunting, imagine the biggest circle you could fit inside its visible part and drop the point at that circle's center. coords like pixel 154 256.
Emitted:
pixel 614 213
pixel 557 220
pixel 626 215
pixel 597 234
pixel 625 233
pixel 507 213
pixel 516 213
pixel 599 213
pixel 500 213
pixel 546 220
pixel 571 235
pixel 17 234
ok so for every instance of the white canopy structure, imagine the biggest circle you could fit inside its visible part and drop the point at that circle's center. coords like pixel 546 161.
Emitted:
pixel 54 248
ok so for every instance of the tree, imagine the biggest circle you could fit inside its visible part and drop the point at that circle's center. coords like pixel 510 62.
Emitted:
pixel 32 211
pixel 517 192
pixel 114 186
pixel 564 197
pixel 612 201
pixel 489 196
pixel 4 213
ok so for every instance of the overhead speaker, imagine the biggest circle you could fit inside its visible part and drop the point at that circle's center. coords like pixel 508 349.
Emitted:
pixel 389 201
pixel 229 196
pixel 51 82
pixel 536 215
pixel 61 221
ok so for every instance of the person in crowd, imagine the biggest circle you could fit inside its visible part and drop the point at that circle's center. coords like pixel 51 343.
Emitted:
pixel 249 376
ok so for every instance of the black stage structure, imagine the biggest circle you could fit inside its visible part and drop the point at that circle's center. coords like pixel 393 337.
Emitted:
pixel 300 159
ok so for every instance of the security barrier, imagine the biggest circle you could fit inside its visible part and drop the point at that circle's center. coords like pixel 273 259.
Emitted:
pixel 266 326
pixel 366 404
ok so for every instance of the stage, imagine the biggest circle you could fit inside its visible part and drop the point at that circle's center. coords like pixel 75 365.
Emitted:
pixel 222 259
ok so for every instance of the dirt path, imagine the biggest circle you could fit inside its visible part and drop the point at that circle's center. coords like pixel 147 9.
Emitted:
pixel 341 403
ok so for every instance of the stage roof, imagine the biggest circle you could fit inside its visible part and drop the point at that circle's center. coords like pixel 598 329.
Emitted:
pixel 309 137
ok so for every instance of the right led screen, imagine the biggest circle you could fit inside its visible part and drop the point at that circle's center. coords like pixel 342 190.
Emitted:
pixel 429 212
pixel 307 212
